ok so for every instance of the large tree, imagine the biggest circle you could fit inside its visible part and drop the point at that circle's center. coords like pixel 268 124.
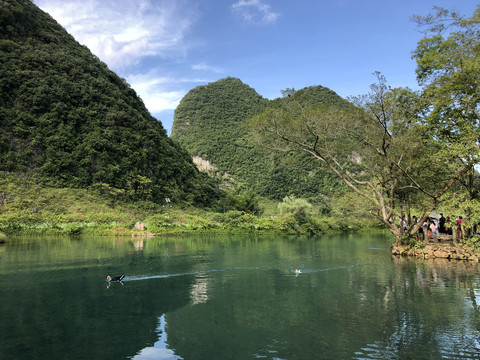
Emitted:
pixel 448 68
pixel 377 147
pixel 396 147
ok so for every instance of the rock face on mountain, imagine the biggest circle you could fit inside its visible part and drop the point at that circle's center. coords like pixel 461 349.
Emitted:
pixel 210 122
pixel 68 120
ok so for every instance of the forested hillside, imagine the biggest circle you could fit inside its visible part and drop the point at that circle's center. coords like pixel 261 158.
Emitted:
pixel 210 122
pixel 68 121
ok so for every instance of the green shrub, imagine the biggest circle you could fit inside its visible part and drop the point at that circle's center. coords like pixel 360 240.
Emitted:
pixel 300 209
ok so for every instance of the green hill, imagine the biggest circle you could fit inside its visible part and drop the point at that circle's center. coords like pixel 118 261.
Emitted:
pixel 210 122
pixel 68 121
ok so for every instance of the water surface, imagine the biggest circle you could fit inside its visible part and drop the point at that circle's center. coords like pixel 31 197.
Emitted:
pixel 233 298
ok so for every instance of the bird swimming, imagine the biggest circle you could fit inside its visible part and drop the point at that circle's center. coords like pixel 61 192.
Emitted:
pixel 115 278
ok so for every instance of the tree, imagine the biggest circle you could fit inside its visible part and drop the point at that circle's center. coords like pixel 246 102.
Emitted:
pixel 299 208
pixel 397 147
pixel 448 68
pixel 379 148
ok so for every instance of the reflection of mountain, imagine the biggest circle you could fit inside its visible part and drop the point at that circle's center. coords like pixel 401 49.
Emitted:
pixel 55 303
pixel 233 298
pixel 80 313
pixel 333 312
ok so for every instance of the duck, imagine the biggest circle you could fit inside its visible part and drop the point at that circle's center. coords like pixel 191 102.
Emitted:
pixel 115 278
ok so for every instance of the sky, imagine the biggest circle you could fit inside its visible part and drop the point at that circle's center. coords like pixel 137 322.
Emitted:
pixel 165 48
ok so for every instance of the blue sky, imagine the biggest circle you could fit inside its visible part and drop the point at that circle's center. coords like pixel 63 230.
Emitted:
pixel 164 48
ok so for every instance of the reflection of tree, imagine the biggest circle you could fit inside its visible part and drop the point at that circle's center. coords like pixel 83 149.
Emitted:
pixel 430 315
pixel 392 311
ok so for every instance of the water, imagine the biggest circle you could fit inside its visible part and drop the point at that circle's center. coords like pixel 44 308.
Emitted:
pixel 234 298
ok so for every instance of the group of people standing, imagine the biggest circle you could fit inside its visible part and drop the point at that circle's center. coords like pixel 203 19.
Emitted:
pixel 433 226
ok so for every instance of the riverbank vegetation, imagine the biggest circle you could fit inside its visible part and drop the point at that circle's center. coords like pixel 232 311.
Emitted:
pixel 27 208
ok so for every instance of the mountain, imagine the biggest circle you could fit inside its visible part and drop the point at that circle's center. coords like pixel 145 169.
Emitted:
pixel 210 123
pixel 69 121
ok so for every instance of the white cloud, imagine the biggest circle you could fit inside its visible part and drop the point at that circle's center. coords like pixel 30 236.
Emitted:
pixel 205 67
pixel 122 32
pixel 255 11
pixel 155 91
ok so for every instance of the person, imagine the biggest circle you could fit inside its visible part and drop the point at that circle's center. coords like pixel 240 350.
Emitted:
pixel 441 225
pixel 459 227
pixel 426 228
pixel 448 226
pixel 433 228
pixel 420 229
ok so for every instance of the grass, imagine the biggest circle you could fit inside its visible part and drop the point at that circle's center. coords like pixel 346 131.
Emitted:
pixel 26 208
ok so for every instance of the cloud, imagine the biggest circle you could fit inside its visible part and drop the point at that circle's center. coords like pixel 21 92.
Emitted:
pixel 121 33
pixel 254 11
pixel 156 91
pixel 205 67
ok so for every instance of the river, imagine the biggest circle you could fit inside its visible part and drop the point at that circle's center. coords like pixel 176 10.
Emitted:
pixel 234 297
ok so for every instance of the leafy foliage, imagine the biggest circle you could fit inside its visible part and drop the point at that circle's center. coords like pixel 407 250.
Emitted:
pixel 381 149
pixel 68 120
pixel 28 208
pixel 247 202
pixel 299 208
pixel 210 122
pixel 448 68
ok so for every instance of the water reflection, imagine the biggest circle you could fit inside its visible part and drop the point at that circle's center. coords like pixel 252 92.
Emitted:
pixel 160 349
pixel 234 298
pixel 435 321
pixel 403 343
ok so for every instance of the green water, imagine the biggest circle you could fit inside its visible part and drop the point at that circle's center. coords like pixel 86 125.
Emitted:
pixel 233 298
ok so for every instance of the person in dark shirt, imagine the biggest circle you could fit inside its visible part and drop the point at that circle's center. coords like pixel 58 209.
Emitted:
pixel 441 225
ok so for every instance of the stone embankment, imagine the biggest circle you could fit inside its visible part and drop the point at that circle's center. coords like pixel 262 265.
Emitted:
pixel 440 250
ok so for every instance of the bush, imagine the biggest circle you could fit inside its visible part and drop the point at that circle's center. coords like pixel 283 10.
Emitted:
pixel 227 217
pixel 247 202
pixel 300 209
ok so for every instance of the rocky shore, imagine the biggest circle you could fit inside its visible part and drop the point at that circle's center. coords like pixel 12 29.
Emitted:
pixel 440 250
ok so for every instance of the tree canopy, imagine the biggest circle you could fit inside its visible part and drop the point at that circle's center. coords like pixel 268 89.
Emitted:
pixel 396 148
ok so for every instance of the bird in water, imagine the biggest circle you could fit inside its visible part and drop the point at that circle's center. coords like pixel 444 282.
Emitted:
pixel 115 278
pixel 298 271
